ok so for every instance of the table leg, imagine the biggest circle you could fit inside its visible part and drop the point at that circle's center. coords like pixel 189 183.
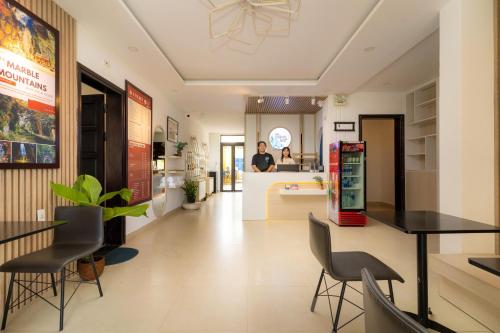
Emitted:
pixel 422 286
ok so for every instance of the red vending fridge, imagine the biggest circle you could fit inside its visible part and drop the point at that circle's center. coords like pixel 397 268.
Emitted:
pixel 347 195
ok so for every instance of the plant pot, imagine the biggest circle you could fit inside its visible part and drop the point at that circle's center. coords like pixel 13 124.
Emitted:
pixel 86 271
pixel 179 153
pixel 191 206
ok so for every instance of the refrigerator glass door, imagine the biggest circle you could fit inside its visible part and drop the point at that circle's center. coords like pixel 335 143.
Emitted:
pixel 353 173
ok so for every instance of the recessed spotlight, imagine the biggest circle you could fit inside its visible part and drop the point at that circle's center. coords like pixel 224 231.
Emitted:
pixel 313 100
pixel 287 100
pixel 260 100
pixel 133 49
pixel 369 49
pixel 320 104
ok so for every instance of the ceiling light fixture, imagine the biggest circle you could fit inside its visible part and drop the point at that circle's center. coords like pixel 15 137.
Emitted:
pixel 369 49
pixel 313 100
pixel 320 103
pixel 133 49
pixel 260 100
pixel 264 15
pixel 287 100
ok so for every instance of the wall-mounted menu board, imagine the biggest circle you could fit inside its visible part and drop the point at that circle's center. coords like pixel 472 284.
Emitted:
pixel 139 114
pixel 29 133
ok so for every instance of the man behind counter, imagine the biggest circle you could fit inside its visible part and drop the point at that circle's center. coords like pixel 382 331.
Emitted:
pixel 262 161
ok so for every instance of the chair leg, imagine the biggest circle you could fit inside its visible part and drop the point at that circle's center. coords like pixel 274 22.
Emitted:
pixel 61 307
pixel 7 301
pixel 53 280
pixel 95 274
pixel 315 298
pixel 391 292
pixel 339 307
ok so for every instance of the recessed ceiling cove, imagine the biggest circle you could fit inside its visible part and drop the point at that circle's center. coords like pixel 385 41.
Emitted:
pixel 317 33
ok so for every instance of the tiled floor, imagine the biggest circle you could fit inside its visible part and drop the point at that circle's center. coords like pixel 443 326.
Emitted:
pixel 209 271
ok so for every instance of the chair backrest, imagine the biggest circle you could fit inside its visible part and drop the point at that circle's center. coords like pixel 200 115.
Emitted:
pixel 320 242
pixel 85 225
pixel 381 315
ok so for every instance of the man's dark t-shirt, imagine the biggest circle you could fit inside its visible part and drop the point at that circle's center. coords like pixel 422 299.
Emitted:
pixel 262 161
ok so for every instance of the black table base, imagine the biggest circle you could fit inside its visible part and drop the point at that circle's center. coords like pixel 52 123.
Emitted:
pixel 422 223
pixel 422 289
pixel 433 325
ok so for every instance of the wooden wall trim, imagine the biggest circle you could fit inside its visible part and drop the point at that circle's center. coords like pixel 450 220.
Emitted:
pixel 24 191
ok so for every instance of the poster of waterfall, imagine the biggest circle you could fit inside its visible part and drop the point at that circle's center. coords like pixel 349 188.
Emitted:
pixel 28 89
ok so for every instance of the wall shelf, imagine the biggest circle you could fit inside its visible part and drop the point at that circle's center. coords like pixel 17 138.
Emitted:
pixel 175 171
pixel 424 121
pixel 429 102
pixel 421 131
pixel 174 157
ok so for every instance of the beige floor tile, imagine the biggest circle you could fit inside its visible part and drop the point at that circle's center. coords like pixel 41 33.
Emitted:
pixel 209 271
pixel 209 308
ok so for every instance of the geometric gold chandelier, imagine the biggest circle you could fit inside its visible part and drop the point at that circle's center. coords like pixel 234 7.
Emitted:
pixel 251 21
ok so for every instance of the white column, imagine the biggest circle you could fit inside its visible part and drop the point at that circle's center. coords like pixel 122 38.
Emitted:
pixel 466 120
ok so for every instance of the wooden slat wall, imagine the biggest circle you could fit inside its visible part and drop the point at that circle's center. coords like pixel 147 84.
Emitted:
pixel 24 191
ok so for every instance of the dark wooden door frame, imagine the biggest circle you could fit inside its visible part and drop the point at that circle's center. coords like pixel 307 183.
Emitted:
pixel 399 153
pixel 115 111
pixel 233 146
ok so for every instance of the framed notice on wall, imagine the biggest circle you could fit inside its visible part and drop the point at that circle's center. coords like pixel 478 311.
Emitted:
pixel 29 64
pixel 139 160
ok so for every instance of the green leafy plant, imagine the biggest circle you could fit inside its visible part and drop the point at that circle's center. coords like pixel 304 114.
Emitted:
pixel 180 146
pixel 319 180
pixel 86 191
pixel 190 188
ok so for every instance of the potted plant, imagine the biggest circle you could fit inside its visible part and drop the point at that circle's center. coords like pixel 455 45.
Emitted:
pixel 319 181
pixel 180 146
pixel 190 188
pixel 86 191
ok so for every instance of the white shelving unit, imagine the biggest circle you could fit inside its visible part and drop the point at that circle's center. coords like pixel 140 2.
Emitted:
pixel 196 165
pixel 421 131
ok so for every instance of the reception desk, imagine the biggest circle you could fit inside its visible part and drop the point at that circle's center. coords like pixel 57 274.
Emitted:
pixel 265 196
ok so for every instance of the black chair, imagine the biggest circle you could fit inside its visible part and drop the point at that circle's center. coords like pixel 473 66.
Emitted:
pixel 382 316
pixel 344 267
pixel 81 236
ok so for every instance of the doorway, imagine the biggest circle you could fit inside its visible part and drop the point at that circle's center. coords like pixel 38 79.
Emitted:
pixel 101 141
pixel 385 170
pixel 232 155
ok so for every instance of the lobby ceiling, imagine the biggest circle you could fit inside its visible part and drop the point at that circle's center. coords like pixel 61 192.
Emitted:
pixel 317 35
pixel 318 59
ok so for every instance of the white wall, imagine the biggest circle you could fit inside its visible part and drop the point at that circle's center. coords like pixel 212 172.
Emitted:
pixel 92 53
pixel 309 139
pixel 268 122
pixel 214 155
pixel 357 103
pixel 250 139
pixel 291 122
pixel 466 120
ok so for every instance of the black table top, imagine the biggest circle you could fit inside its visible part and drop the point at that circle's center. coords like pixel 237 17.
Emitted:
pixel 10 231
pixel 428 222
pixel 491 265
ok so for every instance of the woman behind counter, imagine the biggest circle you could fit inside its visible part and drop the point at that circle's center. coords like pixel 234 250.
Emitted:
pixel 286 157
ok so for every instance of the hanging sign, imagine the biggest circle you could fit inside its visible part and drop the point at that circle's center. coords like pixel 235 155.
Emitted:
pixel 139 114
